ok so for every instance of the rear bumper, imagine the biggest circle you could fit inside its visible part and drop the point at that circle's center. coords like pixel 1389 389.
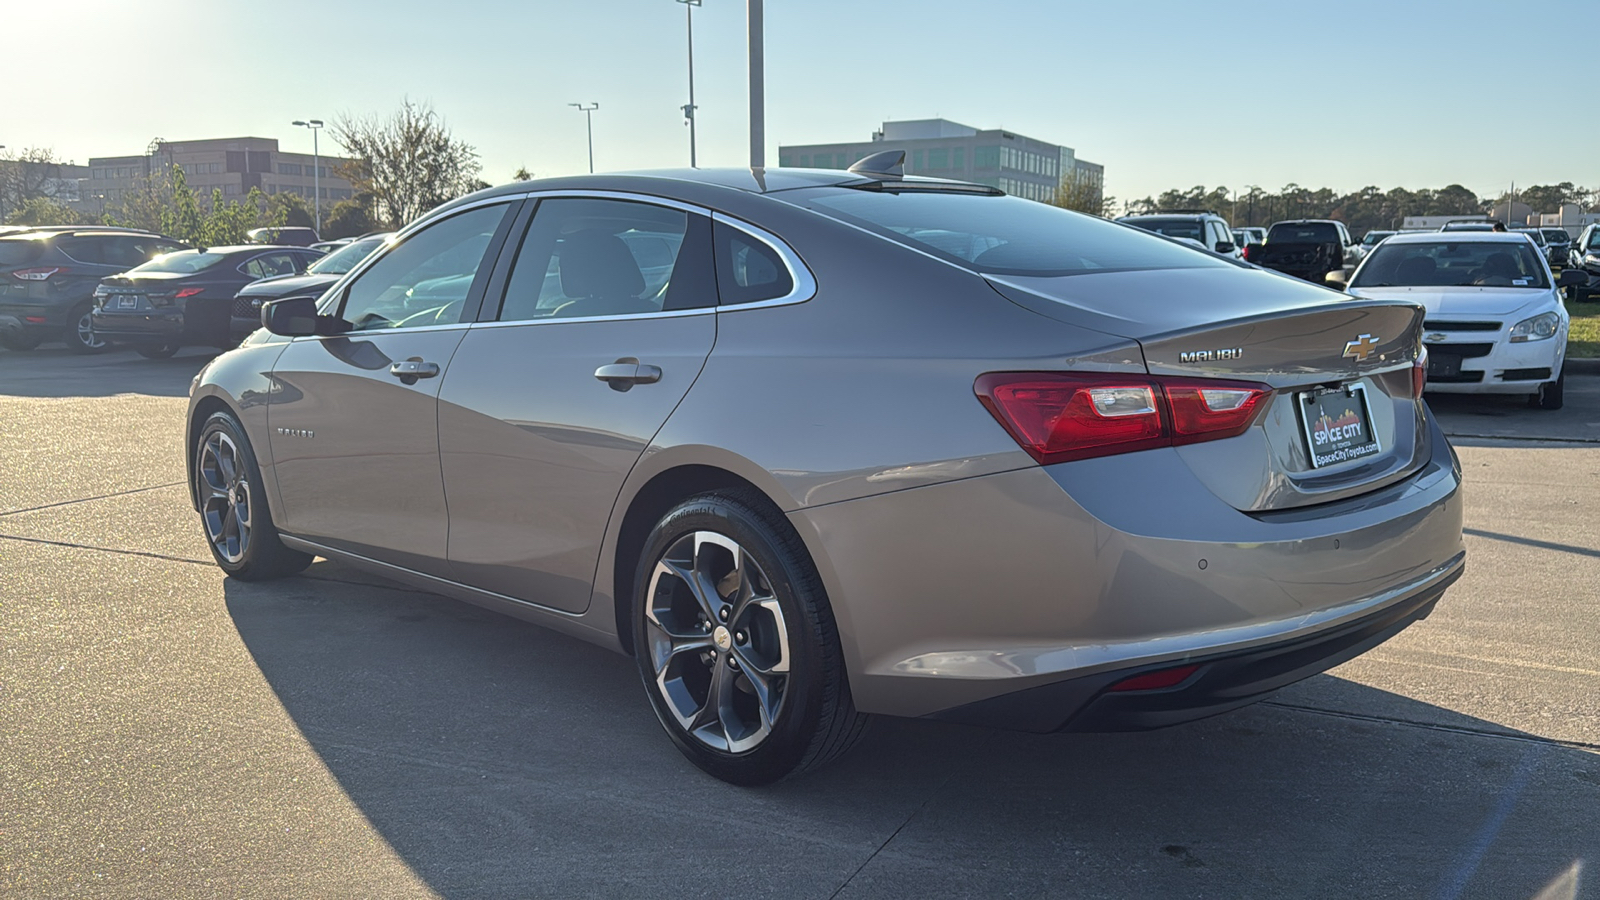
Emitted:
pixel 1021 596
pixel 50 315
pixel 1224 681
pixel 196 323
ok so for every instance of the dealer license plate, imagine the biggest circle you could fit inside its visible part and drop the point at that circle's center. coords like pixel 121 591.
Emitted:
pixel 1338 425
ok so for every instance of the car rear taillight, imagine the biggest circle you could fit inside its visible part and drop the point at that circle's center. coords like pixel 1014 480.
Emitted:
pixel 187 292
pixel 1247 250
pixel 40 274
pixel 1419 373
pixel 1059 416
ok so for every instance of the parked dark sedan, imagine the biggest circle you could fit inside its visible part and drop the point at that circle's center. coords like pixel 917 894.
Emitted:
pixel 318 277
pixel 185 298
pixel 48 279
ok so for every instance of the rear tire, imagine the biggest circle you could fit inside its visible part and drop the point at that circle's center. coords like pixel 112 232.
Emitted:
pixel 736 643
pixel 234 518
pixel 19 339
pixel 80 335
pixel 165 352
pixel 1551 395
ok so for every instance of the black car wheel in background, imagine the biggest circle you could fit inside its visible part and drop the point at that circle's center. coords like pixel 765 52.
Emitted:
pixel 186 298
pixel 48 280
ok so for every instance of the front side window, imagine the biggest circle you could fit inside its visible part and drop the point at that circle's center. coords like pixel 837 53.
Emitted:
pixel 1453 264
pixel 425 280
pixel 585 257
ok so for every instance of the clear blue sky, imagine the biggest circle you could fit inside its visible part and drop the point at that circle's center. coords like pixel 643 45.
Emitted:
pixel 1164 94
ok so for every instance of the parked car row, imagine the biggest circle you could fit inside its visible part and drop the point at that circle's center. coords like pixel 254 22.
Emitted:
pixel 91 286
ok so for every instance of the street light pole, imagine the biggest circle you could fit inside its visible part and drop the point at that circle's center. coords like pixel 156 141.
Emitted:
pixel 758 126
pixel 688 111
pixel 586 109
pixel 316 170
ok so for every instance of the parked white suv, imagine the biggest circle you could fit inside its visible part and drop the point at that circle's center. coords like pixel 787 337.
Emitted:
pixel 1207 229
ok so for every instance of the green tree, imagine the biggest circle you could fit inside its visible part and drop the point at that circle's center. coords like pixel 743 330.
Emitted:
pixel 44 211
pixel 294 210
pixel 1081 192
pixel 522 174
pixel 348 218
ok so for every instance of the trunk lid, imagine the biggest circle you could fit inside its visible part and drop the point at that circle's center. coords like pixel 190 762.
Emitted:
pixel 1347 355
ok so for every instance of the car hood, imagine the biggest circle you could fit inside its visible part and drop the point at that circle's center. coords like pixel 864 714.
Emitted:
pixel 289 285
pixel 1465 301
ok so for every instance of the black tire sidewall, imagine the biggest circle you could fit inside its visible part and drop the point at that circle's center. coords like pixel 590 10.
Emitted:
pixel 263 540
pixel 792 581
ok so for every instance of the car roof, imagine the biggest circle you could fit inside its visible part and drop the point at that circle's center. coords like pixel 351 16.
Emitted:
pixel 242 248
pixel 1456 237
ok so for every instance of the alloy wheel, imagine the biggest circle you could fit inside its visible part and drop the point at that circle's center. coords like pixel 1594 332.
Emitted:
pixel 225 508
pixel 718 641
pixel 84 332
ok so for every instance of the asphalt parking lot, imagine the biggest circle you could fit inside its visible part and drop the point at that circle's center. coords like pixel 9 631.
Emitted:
pixel 165 732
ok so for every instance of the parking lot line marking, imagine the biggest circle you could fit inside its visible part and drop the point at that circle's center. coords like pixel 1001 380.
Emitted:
pixel 153 487
pixel 1532 542
pixel 29 540
pixel 1434 726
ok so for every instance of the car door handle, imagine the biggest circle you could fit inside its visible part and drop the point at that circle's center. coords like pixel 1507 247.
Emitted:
pixel 409 370
pixel 627 372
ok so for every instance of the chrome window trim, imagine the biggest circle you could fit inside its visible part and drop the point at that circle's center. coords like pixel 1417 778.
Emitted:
pixel 620 317
pixel 803 283
pixel 375 331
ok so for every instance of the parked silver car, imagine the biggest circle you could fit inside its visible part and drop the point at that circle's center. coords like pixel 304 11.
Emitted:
pixel 812 445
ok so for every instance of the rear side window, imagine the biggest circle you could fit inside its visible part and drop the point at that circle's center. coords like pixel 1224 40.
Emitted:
pixel 1004 235
pixel 748 270
pixel 87 248
pixel 17 252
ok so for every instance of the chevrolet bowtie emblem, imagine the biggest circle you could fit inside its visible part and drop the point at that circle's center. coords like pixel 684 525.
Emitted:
pixel 1360 348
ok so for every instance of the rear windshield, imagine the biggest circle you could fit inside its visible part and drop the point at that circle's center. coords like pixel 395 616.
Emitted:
pixel 1003 235
pixel 1453 264
pixel 1557 236
pixel 1178 228
pixel 1538 237
pixel 1372 237
pixel 183 261
pixel 1304 233
pixel 345 258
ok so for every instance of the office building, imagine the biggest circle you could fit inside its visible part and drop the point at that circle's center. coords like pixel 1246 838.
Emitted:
pixel 1014 163
pixel 232 165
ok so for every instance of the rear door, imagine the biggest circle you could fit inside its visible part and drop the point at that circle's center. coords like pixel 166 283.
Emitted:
pixel 353 418
pixel 606 320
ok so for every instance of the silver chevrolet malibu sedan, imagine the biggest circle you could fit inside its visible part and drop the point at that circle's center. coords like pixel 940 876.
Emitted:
pixel 814 445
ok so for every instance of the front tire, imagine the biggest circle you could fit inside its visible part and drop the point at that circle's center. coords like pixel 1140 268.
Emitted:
pixel 233 511
pixel 1551 395
pixel 80 331
pixel 736 642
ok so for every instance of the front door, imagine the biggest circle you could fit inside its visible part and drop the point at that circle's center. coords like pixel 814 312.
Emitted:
pixel 607 319
pixel 353 418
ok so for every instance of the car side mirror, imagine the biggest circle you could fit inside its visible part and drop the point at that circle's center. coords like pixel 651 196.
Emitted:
pixel 1224 246
pixel 1572 278
pixel 1336 279
pixel 298 317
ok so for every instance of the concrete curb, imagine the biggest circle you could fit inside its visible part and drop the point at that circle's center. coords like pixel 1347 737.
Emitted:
pixel 1582 366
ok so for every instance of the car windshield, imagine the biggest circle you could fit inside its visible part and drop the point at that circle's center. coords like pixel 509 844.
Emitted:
pixel 1447 263
pixel 1372 237
pixel 183 261
pixel 345 258
pixel 1178 228
pixel 1003 235
pixel 1303 233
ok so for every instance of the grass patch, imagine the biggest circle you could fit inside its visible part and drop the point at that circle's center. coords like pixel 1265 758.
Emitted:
pixel 1583 340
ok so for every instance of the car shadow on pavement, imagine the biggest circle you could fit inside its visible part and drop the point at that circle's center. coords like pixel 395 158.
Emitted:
pixel 58 372
pixel 501 759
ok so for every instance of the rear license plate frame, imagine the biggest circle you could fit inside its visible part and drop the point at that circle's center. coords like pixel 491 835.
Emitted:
pixel 1341 446
pixel 127 301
